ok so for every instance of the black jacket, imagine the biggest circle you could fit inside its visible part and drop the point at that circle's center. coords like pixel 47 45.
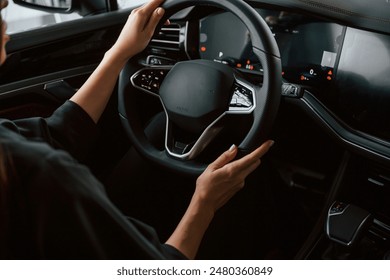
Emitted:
pixel 56 208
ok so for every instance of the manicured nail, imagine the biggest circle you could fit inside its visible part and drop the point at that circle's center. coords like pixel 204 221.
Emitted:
pixel 160 11
pixel 231 149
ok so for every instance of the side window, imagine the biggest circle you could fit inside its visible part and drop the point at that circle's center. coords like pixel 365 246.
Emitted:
pixel 21 19
pixel 123 4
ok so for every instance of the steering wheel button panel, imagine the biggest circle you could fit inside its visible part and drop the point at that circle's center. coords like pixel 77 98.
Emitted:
pixel 149 79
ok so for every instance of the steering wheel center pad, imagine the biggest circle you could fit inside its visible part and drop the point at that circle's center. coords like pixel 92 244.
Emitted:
pixel 196 92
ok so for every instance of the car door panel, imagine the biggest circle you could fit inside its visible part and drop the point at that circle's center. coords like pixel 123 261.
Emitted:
pixel 43 60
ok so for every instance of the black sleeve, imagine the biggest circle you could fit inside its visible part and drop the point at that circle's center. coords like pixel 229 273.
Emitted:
pixel 76 220
pixel 72 129
pixel 149 231
pixel 69 128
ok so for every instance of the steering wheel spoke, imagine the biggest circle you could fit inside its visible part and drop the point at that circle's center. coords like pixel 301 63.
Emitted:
pixel 149 79
pixel 189 147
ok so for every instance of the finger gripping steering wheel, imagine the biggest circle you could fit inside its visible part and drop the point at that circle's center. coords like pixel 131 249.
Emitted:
pixel 198 94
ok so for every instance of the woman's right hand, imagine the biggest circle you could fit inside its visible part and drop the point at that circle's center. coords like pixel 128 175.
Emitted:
pixel 224 177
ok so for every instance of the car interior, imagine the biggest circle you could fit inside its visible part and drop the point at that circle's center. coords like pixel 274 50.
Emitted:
pixel 311 75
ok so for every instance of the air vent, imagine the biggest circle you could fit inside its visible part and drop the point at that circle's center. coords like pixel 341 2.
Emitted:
pixel 380 231
pixel 379 177
pixel 168 38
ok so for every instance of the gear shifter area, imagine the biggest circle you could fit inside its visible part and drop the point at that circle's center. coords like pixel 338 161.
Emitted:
pixel 345 223
pixel 354 233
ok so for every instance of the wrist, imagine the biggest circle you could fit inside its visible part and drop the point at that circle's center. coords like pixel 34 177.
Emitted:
pixel 202 207
pixel 116 58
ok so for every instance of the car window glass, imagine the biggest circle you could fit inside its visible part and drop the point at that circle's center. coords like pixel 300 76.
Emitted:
pixel 123 4
pixel 21 19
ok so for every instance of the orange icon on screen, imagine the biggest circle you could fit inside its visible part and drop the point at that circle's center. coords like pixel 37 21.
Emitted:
pixel 203 49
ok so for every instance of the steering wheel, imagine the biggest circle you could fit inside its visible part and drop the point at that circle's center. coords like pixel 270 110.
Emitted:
pixel 197 95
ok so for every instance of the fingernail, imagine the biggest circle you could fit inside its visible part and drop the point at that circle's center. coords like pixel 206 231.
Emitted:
pixel 272 143
pixel 160 11
pixel 231 149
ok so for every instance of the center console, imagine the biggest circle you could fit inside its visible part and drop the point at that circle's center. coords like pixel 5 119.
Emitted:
pixel 357 223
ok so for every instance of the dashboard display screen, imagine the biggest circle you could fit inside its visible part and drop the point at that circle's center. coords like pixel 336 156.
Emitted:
pixel 363 82
pixel 309 50
pixel 223 37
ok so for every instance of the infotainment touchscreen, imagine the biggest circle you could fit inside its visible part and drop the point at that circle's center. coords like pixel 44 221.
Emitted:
pixel 309 50
pixel 363 82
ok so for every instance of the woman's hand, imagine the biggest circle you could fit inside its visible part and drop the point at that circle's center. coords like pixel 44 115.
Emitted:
pixel 138 30
pixel 217 184
pixel 224 177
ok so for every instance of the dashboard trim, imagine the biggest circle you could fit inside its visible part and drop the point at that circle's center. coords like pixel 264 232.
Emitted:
pixel 379 150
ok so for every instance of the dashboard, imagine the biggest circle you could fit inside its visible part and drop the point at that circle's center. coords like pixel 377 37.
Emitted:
pixel 347 69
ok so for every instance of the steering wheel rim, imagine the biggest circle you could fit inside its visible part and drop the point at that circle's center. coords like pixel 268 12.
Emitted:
pixel 268 95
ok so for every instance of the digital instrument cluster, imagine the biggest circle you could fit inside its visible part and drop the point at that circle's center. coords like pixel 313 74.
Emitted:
pixel 309 49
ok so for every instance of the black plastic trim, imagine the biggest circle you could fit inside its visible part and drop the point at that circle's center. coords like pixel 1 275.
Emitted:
pixel 61 75
pixel 369 15
pixel 365 145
